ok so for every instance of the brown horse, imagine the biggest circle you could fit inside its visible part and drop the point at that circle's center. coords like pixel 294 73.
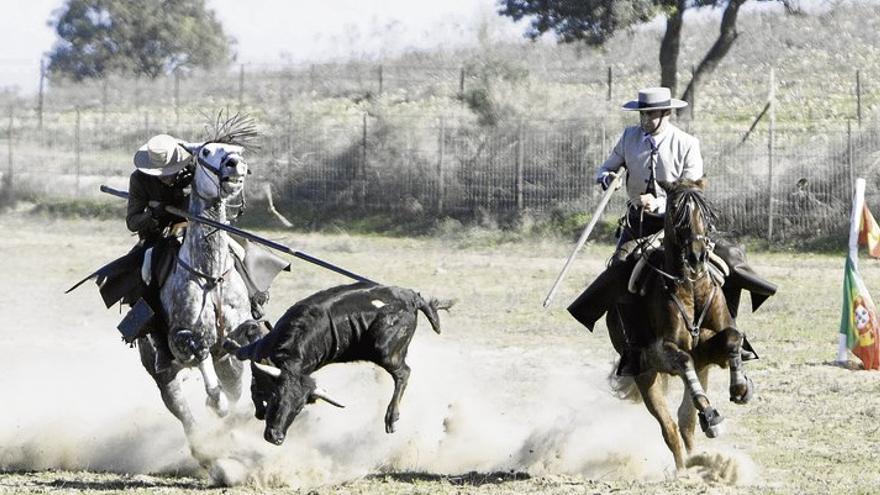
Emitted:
pixel 687 323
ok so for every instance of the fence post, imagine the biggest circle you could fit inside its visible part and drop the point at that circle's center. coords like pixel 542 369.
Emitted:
pixel 770 138
pixel 40 97
pixel 361 172
pixel 519 167
pixel 849 157
pixel 240 87
pixel 9 185
pixel 76 150
pixel 693 94
pixel 104 99
pixel 380 79
pixel 461 81
pixel 610 83
pixel 176 97
pixel 441 149
pixel 289 141
pixel 859 97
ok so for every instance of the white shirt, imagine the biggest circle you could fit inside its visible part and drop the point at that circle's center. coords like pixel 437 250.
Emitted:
pixel 678 157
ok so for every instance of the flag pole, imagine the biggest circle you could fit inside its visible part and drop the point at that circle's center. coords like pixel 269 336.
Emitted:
pixel 853 253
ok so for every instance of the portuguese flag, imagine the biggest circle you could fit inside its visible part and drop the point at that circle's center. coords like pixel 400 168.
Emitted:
pixel 869 233
pixel 859 323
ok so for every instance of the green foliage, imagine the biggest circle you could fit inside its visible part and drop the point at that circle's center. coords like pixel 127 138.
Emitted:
pixel 590 21
pixel 137 37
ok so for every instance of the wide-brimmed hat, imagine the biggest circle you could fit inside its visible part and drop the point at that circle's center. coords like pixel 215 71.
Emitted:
pixel 162 155
pixel 654 99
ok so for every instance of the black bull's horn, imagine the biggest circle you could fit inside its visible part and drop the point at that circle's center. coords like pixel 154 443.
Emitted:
pixel 247 235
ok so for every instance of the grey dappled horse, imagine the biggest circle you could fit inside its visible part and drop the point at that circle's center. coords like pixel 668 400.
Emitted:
pixel 204 297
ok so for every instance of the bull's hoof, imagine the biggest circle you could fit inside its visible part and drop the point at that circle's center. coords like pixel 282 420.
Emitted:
pixel 742 393
pixel 710 422
pixel 390 419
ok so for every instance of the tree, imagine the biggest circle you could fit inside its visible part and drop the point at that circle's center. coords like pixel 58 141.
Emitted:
pixel 139 37
pixel 594 21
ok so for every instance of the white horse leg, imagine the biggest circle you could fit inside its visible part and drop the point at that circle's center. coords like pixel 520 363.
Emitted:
pixel 169 385
pixel 216 398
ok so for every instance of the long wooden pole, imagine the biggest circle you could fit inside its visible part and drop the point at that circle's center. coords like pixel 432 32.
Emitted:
pixel 597 213
pixel 247 235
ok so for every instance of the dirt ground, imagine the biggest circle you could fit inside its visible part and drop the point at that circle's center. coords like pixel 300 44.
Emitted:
pixel 510 398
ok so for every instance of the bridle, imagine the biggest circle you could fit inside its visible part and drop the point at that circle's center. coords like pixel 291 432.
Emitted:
pixel 217 177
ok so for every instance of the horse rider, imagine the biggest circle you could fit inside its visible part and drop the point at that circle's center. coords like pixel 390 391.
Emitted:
pixel 653 151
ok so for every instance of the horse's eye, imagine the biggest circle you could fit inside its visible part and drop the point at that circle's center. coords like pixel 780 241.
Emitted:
pixel 205 152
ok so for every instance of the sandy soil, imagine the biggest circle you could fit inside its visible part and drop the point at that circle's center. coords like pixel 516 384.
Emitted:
pixel 509 399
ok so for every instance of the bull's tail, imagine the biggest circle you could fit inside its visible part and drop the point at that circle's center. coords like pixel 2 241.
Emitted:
pixel 431 307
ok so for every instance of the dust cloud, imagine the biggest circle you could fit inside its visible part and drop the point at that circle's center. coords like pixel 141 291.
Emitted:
pixel 75 398
pixel 91 406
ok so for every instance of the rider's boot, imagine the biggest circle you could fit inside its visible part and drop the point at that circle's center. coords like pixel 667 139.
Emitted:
pixel 631 355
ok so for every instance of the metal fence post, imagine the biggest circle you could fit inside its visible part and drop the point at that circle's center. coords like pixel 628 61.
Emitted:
pixel 441 149
pixel 380 80
pixel 104 99
pixel 76 150
pixel 693 94
pixel 772 103
pixel 40 97
pixel 461 81
pixel 520 135
pixel 176 97
pixel 240 87
pixel 361 172
pixel 849 157
pixel 610 83
pixel 10 177
pixel 859 97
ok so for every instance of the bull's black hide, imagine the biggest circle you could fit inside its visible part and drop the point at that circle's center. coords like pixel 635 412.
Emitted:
pixel 357 322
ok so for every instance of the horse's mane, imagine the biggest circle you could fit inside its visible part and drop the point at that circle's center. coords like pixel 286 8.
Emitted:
pixel 237 129
pixel 684 192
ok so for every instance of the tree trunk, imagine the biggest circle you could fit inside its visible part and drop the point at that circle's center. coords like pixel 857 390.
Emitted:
pixel 722 45
pixel 669 48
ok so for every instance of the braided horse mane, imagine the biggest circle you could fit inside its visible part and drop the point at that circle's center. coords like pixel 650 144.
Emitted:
pixel 237 129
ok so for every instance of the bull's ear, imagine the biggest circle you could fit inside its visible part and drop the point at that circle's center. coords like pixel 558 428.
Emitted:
pixel 701 183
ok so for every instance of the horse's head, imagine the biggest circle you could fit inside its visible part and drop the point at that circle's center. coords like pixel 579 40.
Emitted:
pixel 689 219
pixel 220 171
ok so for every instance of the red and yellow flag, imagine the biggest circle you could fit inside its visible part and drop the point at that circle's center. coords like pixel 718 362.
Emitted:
pixel 859 322
pixel 869 233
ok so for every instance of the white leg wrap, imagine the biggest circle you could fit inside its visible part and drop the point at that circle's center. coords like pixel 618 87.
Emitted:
pixel 694 386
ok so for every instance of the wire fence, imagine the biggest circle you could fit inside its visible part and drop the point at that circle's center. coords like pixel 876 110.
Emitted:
pixel 798 188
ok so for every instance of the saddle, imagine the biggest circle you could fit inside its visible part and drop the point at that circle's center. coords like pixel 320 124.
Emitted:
pixel 642 276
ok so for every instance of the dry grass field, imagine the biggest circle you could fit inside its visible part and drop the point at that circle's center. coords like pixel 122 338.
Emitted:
pixel 509 399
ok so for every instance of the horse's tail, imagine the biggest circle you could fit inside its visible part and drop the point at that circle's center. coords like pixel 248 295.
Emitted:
pixel 624 387
pixel 430 308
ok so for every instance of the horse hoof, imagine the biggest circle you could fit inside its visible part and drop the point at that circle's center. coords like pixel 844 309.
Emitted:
pixel 710 422
pixel 740 396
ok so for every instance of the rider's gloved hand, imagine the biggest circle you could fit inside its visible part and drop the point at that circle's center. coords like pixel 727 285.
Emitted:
pixel 605 180
pixel 652 203
pixel 157 209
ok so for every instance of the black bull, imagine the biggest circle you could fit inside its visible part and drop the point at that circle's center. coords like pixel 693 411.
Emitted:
pixel 357 322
